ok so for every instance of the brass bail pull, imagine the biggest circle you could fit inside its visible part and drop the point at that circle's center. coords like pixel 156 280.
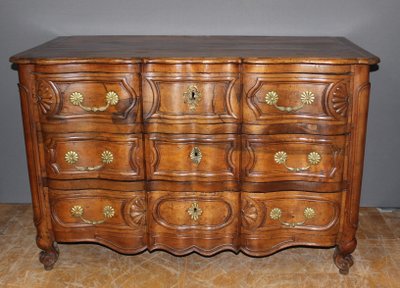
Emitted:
pixel 306 98
pixel 72 157
pixel 313 158
pixel 276 214
pixel 77 211
pixel 77 98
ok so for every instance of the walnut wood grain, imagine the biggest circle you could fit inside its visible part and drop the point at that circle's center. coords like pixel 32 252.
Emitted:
pixel 164 104
pixel 168 157
pixel 258 162
pixel 172 228
pixel 56 83
pixel 262 235
pixel 125 232
pixel 327 114
pixel 155 179
pixel 44 233
pixel 254 49
pixel 53 97
pixel 127 162
pixel 347 241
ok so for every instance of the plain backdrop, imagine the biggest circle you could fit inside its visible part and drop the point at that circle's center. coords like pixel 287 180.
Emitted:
pixel 372 24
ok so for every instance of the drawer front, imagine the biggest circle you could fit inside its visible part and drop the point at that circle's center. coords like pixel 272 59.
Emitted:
pixel 187 221
pixel 296 103
pixel 108 98
pixel 117 218
pixel 73 156
pixel 271 221
pixel 192 157
pixel 293 158
pixel 191 103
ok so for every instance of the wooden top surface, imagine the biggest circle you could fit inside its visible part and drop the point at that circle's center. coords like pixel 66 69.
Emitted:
pixel 252 49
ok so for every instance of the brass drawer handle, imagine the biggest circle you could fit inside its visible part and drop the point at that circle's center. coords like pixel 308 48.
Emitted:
pixel 276 214
pixel 306 98
pixel 77 211
pixel 195 155
pixel 313 158
pixel 71 157
pixel 194 211
pixel 76 98
pixel 192 97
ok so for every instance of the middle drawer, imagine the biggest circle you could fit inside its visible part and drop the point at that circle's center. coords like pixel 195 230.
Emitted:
pixel 93 155
pixel 192 157
pixel 193 221
pixel 293 161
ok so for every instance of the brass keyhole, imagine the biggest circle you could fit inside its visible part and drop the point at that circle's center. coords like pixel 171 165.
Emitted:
pixel 194 211
pixel 195 155
pixel 192 97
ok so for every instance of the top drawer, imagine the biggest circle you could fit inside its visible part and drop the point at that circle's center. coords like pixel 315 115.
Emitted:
pixel 191 97
pixel 296 99
pixel 89 97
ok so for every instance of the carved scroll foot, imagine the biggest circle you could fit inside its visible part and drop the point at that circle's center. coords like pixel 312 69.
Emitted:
pixel 342 261
pixel 49 257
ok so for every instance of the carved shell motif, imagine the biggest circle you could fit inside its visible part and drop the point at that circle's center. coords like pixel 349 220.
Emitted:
pixel 340 99
pixel 44 97
pixel 137 211
pixel 249 213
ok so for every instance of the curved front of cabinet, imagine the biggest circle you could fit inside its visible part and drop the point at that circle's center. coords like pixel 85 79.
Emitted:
pixel 192 157
pixel 273 221
pixel 187 221
pixel 293 162
pixel 94 156
pixel 113 218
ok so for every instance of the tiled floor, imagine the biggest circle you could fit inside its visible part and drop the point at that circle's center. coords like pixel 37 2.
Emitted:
pixel 377 262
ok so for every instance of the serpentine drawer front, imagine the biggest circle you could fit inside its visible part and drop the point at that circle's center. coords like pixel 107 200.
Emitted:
pixel 178 94
pixel 113 218
pixel 297 99
pixel 202 144
pixel 103 96
pixel 112 156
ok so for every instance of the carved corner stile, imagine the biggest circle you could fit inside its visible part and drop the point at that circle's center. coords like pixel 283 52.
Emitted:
pixel 347 241
pixel 45 237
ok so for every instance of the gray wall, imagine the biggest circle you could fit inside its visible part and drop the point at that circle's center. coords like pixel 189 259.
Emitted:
pixel 371 24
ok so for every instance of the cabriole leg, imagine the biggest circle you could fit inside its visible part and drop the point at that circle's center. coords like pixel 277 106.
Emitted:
pixel 342 257
pixel 48 257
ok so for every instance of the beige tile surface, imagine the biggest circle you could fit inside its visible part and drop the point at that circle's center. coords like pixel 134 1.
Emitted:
pixel 377 262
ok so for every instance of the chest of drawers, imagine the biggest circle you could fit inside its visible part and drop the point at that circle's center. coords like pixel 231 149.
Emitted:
pixel 202 144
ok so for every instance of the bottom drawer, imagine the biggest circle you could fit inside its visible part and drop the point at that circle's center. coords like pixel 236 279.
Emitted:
pixel 116 219
pixel 188 221
pixel 272 221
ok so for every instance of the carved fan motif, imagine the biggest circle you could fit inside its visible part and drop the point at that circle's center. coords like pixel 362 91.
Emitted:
pixel 249 213
pixel 137 211
pixel 340 99
pixel 44 97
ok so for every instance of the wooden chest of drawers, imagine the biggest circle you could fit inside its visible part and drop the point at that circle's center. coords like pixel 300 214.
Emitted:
pixel 199 144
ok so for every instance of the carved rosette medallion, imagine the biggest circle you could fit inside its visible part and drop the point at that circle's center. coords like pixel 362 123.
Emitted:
pixel 44 97
pixel 136 212
pixel 340 99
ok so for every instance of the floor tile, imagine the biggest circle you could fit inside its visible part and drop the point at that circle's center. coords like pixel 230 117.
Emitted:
pixel 9 212
pixel 373 225
pixel 377 262
pixel 392 220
